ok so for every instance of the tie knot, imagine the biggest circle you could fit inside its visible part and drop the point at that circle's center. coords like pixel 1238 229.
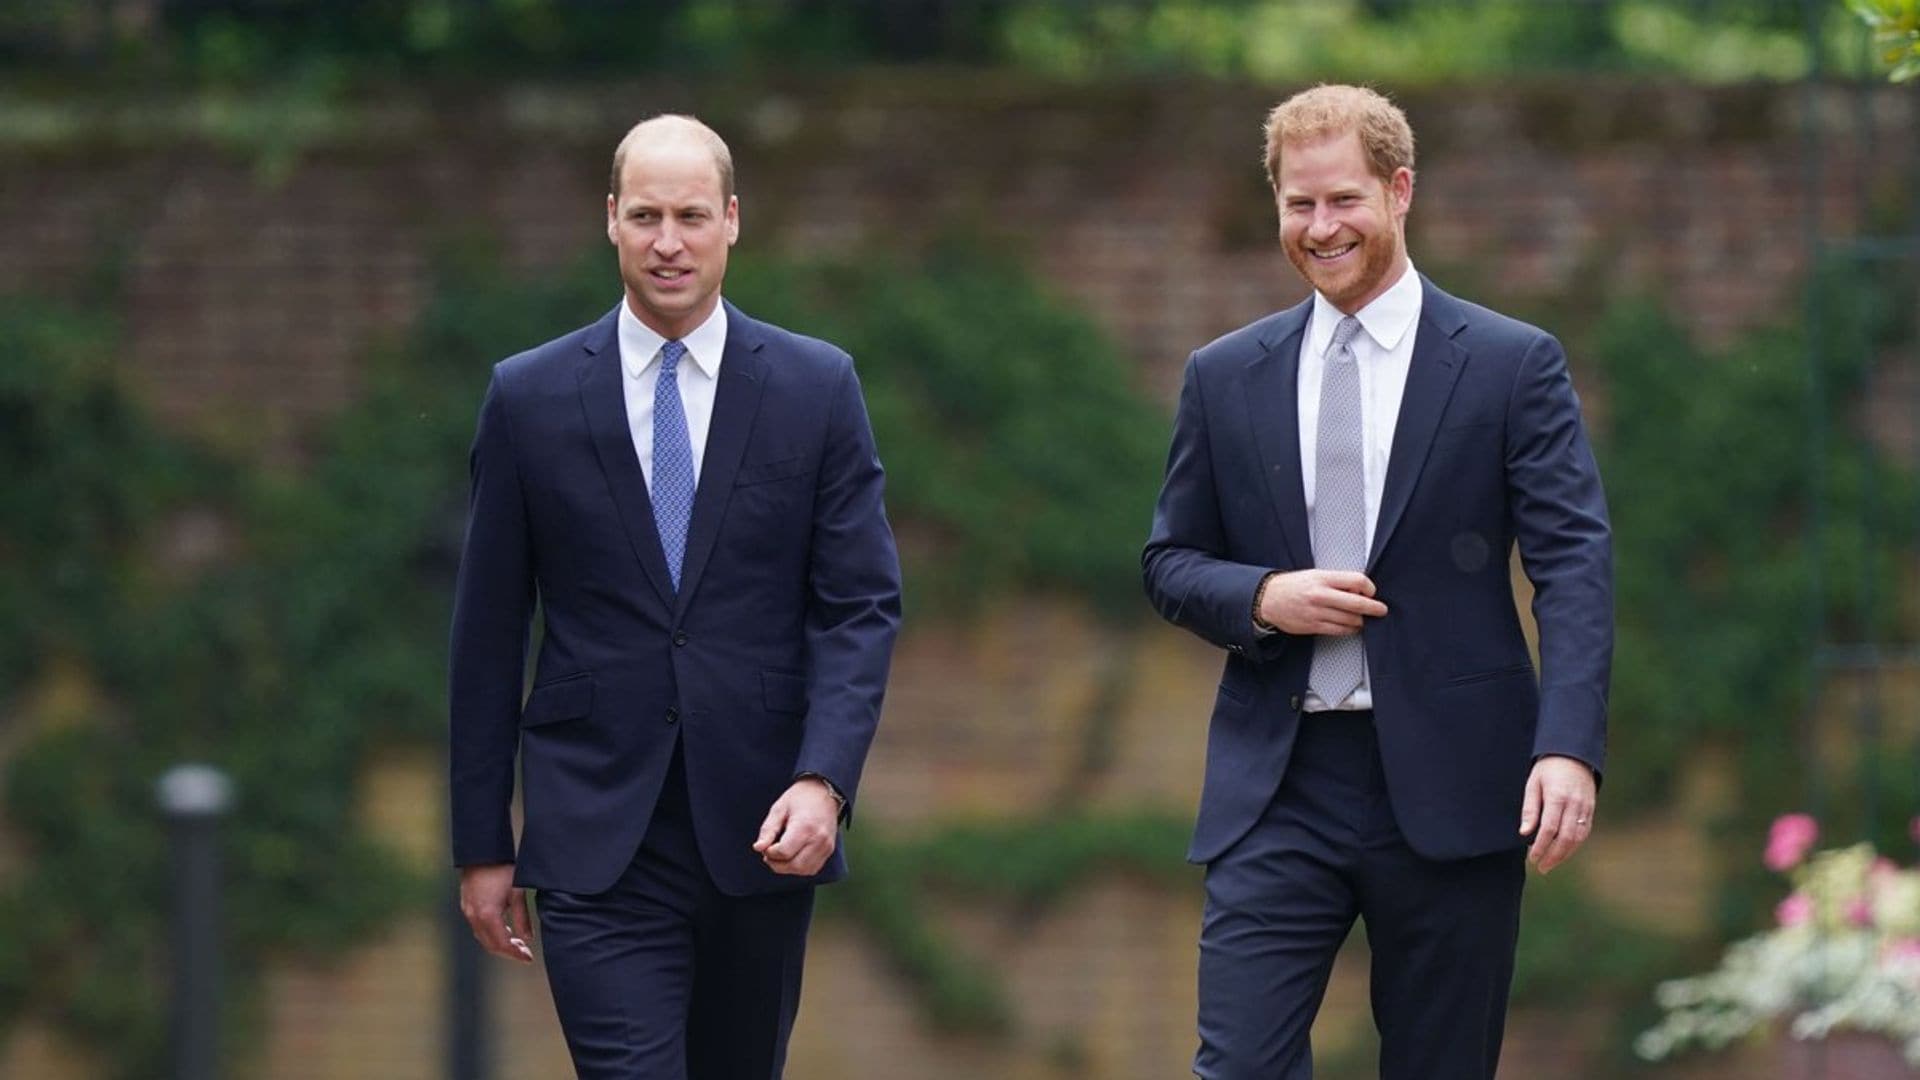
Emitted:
pixel 1344 333
pixel 670 355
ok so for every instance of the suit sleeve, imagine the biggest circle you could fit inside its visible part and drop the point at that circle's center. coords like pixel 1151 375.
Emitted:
pixel 853 610
pixel 1566 548
pixel 1188 578
pixel 492 611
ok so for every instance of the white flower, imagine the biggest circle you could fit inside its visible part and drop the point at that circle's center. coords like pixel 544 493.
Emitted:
pixel 1896 904
pixel 1848 960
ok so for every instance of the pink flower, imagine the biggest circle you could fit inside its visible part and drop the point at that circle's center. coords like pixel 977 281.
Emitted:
pixel 1789 840
pixel 1795 910
pixel 1903 951
pixel 1859 912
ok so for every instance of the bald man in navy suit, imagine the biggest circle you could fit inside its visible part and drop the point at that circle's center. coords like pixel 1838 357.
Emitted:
pixel 693 498
pixel 1346 481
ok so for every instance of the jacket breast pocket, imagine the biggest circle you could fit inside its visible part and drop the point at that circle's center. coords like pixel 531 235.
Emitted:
pixel 1468 438
pixel 559 700
pixel 769 471
pixel 1510 671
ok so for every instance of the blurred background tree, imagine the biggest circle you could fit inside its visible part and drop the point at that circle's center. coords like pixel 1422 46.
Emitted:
pixel 1896 32
pixel 1409 41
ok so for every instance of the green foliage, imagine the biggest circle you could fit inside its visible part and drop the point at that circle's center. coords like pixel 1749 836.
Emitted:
pixel 1573 949
pixel 1037 862
pixel 1028 863
pixel 1896 33
pixel 1020 453
pixel 1710 467
pixel 1410 42
pixel 956 993
pixel 312 637
pixel 118 663
pixel 235 44
pixel 87 481
pixel 66 439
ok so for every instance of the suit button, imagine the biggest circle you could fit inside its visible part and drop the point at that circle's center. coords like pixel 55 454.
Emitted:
pixel 1294 703
pixel 679 637
pixel 673 715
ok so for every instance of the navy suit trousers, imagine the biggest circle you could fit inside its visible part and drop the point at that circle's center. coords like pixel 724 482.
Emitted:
pixel 664 977
pixel 1281 900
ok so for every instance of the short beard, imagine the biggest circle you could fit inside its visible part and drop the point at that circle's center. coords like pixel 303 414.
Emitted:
pixel 1376 262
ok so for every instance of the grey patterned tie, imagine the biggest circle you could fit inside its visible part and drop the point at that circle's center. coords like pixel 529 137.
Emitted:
pixel 1339 507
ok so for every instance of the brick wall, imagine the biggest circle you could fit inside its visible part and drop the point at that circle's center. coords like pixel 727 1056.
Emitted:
pixel 255 287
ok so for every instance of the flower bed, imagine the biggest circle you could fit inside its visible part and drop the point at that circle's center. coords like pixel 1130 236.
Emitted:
pixel 1844 956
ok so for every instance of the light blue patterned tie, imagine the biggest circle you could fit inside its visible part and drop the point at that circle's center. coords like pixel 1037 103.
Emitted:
pixel 1339 508
pixel 673 479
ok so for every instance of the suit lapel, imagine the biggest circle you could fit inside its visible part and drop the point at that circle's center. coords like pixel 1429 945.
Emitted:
pixel 1435 367
pixel 603 397
pixel 736 402
pixel 1273 404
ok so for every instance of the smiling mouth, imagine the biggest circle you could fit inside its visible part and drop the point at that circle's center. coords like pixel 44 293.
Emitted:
pixel 1333 253
pixel 669 275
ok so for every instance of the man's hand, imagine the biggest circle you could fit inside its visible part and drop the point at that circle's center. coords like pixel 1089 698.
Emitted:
pixel 801 830
pixel 1319 602
pixel 1558 810
pixel 496 910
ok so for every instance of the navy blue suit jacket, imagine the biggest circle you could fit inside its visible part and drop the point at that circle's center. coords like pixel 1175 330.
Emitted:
pixel 1488 451
pixel 769 661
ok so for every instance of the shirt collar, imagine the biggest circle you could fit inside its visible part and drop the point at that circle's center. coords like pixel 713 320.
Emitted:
pixel 640 343
pixel 1386 320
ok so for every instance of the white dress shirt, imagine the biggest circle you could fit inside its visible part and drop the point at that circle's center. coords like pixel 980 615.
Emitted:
pixel 1384 352
pixel 698 381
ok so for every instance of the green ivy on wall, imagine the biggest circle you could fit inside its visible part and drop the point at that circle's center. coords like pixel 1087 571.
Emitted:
pixel 120 661
pixel 1027 863
pixel 1734 479
pixel 1020 451
pixel 313 635
pixel 1711 471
